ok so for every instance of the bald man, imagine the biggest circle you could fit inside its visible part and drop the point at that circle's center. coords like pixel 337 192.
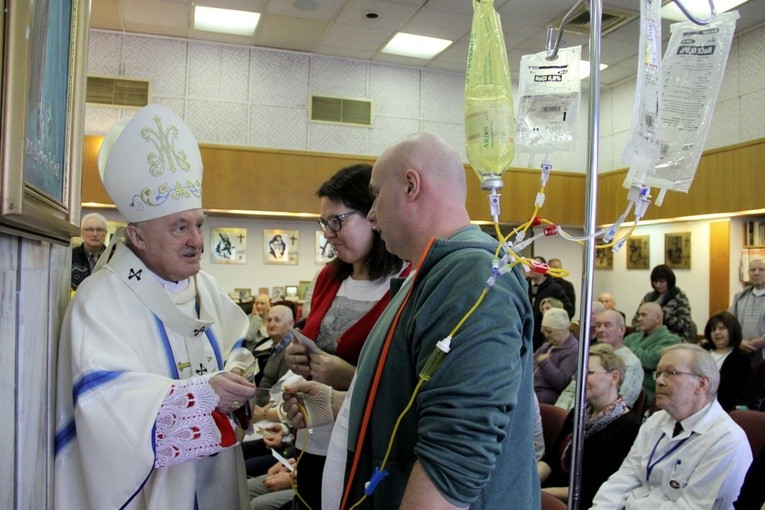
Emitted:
pixel 749 308
pixel 84 257
pixel 468 441
pixel 647 343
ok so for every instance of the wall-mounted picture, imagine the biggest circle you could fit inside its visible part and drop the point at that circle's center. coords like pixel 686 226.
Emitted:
pixel 324 251
pixel 228 245
pixel 281 246
pixel 303 289
pixel 604 258
pixel 263 290
pixel 291 291
pixel 677 250
pixel 638 252
pixel 277 293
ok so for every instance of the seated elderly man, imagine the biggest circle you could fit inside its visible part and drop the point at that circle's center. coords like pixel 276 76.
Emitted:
pixel 691 454
pixel 648 341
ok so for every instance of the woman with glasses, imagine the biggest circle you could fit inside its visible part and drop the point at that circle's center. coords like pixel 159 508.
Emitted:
pixel 609 431
pixel 348 297
pixel 722 337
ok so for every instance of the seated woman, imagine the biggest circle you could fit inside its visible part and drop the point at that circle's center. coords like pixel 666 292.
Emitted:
pixel 722 336
pixel 609 431
pixel 555 360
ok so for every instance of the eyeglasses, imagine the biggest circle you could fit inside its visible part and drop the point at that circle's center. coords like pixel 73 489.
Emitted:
pixel 671 374
pixel 335 222
pixel 590 372
pixel 91 230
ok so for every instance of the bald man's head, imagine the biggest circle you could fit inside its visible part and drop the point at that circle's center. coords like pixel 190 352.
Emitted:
pixel 650 318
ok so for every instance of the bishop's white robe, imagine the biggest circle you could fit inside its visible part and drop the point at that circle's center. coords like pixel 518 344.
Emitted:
pixel 125 343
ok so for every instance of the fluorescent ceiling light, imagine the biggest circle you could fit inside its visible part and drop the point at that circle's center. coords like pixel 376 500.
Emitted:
pixel 698 8
pixel 226 21
pixel 417 46
pixel 584 68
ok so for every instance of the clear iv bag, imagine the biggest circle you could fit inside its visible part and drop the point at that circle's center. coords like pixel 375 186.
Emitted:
pixel 549 93
pixel 641 152
pixel 489 118
pixel 693 70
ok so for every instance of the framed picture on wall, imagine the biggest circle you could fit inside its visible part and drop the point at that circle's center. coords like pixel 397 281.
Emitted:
pixel 638 252
pixel 303 289
pixel 604 258
pixel 278 293
pixel 228 245
pixel 324 251
pixel 43 116
pixel 677 250
pixel 291 291
pixel 281 246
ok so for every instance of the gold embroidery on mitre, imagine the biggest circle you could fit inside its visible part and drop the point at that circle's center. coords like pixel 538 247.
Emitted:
pixel 157 197
pixel 167 156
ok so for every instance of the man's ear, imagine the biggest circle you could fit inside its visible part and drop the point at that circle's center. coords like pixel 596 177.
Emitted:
pixel 704 384
pixel 413 183
pixel 134 234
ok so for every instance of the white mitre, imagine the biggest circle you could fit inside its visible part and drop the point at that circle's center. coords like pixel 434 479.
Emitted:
pixel 151 166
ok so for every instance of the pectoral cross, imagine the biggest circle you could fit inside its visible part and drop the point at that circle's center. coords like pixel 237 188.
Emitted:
pixel 201 370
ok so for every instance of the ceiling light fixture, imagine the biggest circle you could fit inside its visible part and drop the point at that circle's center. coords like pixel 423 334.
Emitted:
pixel 584 68
pixel 698 8
pixel 226 21
pixel 417 46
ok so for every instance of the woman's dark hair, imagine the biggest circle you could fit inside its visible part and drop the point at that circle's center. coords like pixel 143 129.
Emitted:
pixel 664 272
pixel 730 322
pixel 350 187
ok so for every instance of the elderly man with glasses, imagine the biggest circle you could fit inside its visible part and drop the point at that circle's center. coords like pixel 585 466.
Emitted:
pixel 85 256
pixel 691 454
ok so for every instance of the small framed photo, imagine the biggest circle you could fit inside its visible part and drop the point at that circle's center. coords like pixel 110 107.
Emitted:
pixel 277 293
pixel 243 293
pixel 228 245
pixel 281 246
pixel 677 250
pixel 263 290
pixel 324 251
pixel 638 252
pixel 303 289
pixel 604 258
pixel 290 291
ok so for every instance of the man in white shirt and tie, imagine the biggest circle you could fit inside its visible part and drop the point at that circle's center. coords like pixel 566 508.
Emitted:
pixel 691 454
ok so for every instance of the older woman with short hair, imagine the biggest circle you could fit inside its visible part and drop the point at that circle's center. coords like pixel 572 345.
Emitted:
pixel 555 360
pixel 609 431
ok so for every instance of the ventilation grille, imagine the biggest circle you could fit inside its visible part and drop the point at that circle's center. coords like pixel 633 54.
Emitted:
pixel 343 111
pixel 580 20
pixel 118 91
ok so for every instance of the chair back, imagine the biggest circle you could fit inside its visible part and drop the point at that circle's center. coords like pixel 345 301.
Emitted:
pixel 753 423
pixel 639 406
pixel 552 421
pixel 550 502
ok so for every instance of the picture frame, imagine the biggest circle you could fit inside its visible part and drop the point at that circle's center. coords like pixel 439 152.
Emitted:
pixel 604 258
pixel 291 292
pixel 638 252
pixel 243 293
pixel 303 286
pixel 324 252
pixel 677 250
pixel 281 246
pixel 43 112
pixel 228 245
pixel 277 294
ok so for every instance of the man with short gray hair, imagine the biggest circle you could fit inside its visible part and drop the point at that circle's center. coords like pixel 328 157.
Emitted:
pixel 691 454
pixel 84 257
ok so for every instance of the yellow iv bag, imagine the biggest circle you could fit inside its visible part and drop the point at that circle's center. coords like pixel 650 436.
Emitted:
pixel 489 117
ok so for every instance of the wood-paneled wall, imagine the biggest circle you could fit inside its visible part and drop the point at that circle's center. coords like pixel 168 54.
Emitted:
pixel 281 182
